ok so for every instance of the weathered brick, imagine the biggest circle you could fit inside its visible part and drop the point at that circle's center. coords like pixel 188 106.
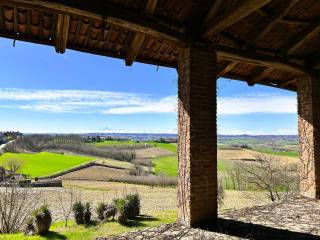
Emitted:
pixel 197 191
pixel 309 135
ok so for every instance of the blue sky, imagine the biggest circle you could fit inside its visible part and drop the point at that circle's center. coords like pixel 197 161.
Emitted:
pixel 42 91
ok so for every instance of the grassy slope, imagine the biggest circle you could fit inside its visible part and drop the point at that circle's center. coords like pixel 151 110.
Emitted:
pixel 74 232
pixel 44 163
pixel 272 152
pixel 167 146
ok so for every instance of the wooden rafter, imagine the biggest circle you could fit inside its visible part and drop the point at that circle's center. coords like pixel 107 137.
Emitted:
pixel 260 74
pixel 15 20
pixel 227 69
pixel 241 10
pixel 139 38
pixel 302 38
pixel 282 11
pixel 151 6
pixel 115 15
pixel 1 18
pixel 29 22
pixel 62 31
pixel 289 82
pixel 213 10
pixel 135 48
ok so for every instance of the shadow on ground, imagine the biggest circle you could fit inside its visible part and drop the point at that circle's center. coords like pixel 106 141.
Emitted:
pixel 54 235
pixel 257 232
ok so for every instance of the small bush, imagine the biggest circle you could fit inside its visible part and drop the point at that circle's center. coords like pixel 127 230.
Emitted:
pixel 42 219
pixel 122 210
pixel 110 212
pixel 105 212
pixel 133 201
pixel 100 211
pixel 87 213
pixel 78 211
pixel 127 207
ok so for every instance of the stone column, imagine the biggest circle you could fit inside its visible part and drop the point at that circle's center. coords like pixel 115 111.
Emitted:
pixel 197 148
pixel 309 135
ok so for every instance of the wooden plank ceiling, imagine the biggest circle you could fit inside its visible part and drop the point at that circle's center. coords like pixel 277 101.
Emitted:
pixel 270 42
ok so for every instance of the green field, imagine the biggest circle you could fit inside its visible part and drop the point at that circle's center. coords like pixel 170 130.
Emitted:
pixel 169 165
pixel 294 154
pixel 76 232
pixel 167 146
pixel 166 165
pixel 44 163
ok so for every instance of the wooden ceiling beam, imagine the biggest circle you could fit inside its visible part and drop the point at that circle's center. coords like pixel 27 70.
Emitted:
pixel 269 84
pixel 227 69
pixel 302 38
pixel 282 11
pixel 61 34
pixel 259 60
pixel 99 10
pixel 139 38
pixel 241 10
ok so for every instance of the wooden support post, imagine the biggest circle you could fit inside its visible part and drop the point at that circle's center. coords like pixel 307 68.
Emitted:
pixel 197 148
pixel 309 135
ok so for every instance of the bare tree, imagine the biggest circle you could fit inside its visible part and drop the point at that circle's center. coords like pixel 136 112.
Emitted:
pixel 269 174
pixel 13 164
pixel 66 203
pixel 16 205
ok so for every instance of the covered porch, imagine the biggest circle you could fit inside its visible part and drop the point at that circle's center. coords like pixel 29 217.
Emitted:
pixel 269 42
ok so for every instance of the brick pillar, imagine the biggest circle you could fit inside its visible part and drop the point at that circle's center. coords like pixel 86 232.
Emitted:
pixel 197 148
pixel 309 135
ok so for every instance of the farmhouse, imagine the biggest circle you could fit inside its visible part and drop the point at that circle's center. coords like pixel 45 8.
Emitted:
pixel 269 42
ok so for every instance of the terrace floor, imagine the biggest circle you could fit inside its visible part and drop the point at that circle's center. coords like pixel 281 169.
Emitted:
pixel 294 219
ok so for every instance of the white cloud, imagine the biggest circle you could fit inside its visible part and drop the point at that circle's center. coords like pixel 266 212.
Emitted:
pixel 249 132
pixel 105 102
pixel 164 105
pixel 261 103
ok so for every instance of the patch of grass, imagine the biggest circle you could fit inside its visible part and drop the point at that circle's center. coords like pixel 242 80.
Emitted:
pixel 45 163
pixel 166 165
pixel 224 165
pixel 76 232
pixel 169 165
pixel 167 146
pixel 294 154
